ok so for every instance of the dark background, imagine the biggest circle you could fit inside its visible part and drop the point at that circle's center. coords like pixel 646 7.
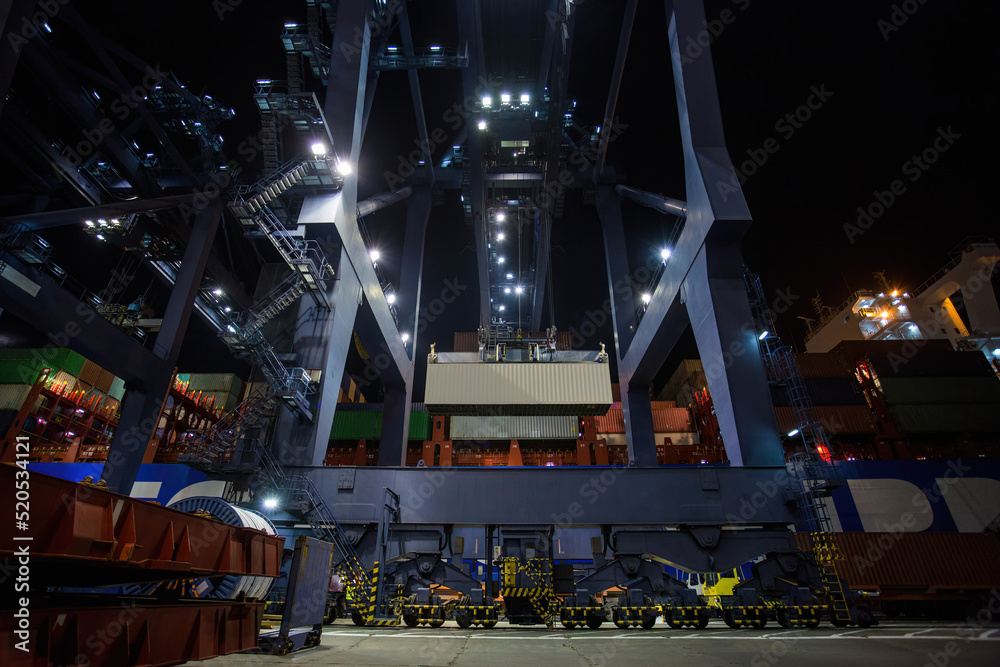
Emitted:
pixel 890 97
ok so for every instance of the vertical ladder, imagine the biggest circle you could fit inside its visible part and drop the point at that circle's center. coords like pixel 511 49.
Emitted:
pixel 827 555
pixel 813 474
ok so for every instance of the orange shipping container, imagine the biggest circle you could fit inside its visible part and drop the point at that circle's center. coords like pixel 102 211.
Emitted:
pixel 672 420
pixel 612 422
pixel 104 380
pixel 665 420
pixel 90 372
pixel 466 341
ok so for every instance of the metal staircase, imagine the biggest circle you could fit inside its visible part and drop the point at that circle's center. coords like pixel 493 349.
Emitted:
pixel 814 475
pixel 218 449
pixel 303 497
pixel 304 257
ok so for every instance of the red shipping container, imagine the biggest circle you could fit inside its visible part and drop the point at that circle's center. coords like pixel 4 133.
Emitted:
pixel 834 418
pixel 909 565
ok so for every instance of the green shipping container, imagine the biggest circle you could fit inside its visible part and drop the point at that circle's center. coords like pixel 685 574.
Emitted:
pixel 357 424
pixel 19 371
pixel 22 366
pixel 914 419
pixel 354 425
pixel 420 425
pixel 941 390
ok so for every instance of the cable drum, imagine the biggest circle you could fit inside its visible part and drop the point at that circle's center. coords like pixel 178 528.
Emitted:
pixel 230 587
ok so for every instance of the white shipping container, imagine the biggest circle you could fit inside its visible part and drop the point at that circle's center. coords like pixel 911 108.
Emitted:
pixel 509 427
pixel 518 388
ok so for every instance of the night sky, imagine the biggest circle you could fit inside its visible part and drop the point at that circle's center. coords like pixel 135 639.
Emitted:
pixel 891 91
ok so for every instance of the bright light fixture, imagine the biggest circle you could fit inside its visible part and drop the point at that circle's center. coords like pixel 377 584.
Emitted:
pixel 499 260
pixel 391 298
pixel 525 98
pixel 487 101
pixel 226 309
pixel 646 298
pixel 217 292
pixel 405 336
pixel 270 503
pixel 763 335
pixel 501 216
pixel 518 289
pixel 996 352
pixel 665 254
pixel 793 432
pixel 510 276
pixel 505 98
pixel 89 223
pixel 319 148
pixel 100 237
pixel 343 168
pixel 500 236
pixel 506 290
pixel 435 48
pixel 501 307
pixel 482 125
pixel 374 254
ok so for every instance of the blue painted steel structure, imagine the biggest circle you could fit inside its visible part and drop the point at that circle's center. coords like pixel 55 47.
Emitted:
pixel 694 514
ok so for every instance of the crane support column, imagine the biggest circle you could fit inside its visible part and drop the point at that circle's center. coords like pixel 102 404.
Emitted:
pixel 396 409
pixel 141 406
pixel 322 341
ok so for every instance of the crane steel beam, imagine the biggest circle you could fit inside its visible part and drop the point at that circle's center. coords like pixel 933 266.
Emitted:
pixel 470 32
pixel 15 15
pixel 29 137
pixel 76 103
pixel 382 200
pixel 396 412
pixel 702 283
pixel 663 204
pixel 616 83
pixel 418 103
pixel 548 43
pixel 552 185
pixel 74 216
pixel 92 37
pixel 142 401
